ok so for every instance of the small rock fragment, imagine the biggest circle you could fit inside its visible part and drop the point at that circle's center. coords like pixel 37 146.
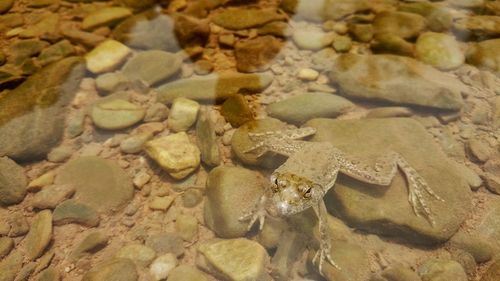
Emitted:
pixel 140 254
pixel 6 245
pixel 116 114
pixel 162 266
pixel 50 196
pixel 186 272
pixel 107 56
pixel 40 234
pixel 71 211
pixel 90 244
pixel 436 269
pixel 156 113
pixel 187 227
pixel 182 114
pixel 308 74
pixel 161 203
pixel 114 269
pixel 166 243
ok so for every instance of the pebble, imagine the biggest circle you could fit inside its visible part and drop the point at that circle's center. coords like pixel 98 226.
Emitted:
pixel 110 82
pixel 175 154
pixel 60 154
pixel 92 243
pixel 71 211
pixel 152 67
pixel 116 114
pixel 162 266
pixel 141 179
pixel 182 114
pixel 156 113
pixel 342 43
pixel 49 274
pixel 39 235
pixel 113 269
pixel 187 273
pixel 11 265
pixel 236 110
pixel 18 225
pixel 13 182
pixel 312 39
pixel 5 5
pixel 135 143
pixel 75 126
pixel 436 270
pixel 166 242
pixel 161 203
pixel 105 17
pixel 50 196
pixel 106 56
pixel 439 50
pixel 238 259
pixel 388 112
pixel 6 245
pixel 203 67
pixel 186 226
pixel 480 149
pixel 191 198
pixel 307 74
pixel 207 139
pixel 41 181
pixel 140 254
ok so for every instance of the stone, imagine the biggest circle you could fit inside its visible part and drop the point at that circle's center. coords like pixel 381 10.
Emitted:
pixel 244 18
pixel 191 198
pixel 183 114
pixel 44 27
pixel 191 33
pixel 255 55
pixel 398 80
pixel 207 139
pixel 49 274
pixel 362 32
pixel 236 259
pixel 312 38
pixel 152 67
pixel 230 193
pixel 166 242
pixel 81 37
pixel 60 154
pixel 106 56
pixel 10 266
pixel 71 211
pixel 390 43
pixel 18 225
pixel 150 30
pixel 241 142
pixel 388 112
pixel 493 272
pixel 342 43
pixel 175 154
pixel 187 273
pixel 479 149
pixel 214 87
pixel 116 114
pixel 162 266
pixel 275 28
pixel 135 143
pixel 100 184
pixel 93 242
pixel 439 18
pixel 33 114
pixel 402 24
pixel 236 110
pixel 41 181
pixel 482 25
pixel 159 203
pixel 140 254
pixel 50 196
pixel 308 74
pixel 141 179
pixel 109 16
pixel 13 182
pixel 40 234
pixel 113 269
pixel 56 52
pixel 466 260
pixel 156 113
pixel 138 5
pixel 24 49
pixel 436 270
pixel 6 245
pixel 303 107
pixel 110 82
pixel 400 273
pixel 186 226
pixel 364 207
pixel 485 55
pixel 439 50
pixel 5 5
pixel 203 67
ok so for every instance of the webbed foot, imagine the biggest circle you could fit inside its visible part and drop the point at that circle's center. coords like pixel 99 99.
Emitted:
pixel 324 254
pixel 257 213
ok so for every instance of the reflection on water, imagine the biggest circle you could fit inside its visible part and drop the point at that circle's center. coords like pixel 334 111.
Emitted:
pixel 249 140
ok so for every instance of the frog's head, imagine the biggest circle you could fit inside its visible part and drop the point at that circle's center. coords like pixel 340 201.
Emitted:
pixel 293 194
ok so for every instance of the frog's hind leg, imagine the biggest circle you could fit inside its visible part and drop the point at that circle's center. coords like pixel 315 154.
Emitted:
pixel 325 241
pixel 382 174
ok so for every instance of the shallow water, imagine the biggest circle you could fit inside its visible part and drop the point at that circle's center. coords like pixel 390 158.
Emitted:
pixel 139 140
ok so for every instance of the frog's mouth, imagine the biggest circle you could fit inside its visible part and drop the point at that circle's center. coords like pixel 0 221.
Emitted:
pixel 293 194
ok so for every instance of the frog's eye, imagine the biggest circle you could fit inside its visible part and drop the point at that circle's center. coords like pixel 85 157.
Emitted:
pixel 308 192
pixel 274 180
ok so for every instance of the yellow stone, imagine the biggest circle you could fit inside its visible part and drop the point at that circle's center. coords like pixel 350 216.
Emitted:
pixel 41 181
pixel 161 203
pixel 107 56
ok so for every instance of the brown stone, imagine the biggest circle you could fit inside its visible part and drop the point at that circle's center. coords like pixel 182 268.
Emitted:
pixel 254 55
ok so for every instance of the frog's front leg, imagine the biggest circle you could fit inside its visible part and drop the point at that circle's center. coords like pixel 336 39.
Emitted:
pixel 285 142
pixel 325 244
pixel 258 212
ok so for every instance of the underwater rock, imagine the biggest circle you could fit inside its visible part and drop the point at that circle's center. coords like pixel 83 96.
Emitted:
pixel 24 49
pixel 40 234
pixel 231 192
pixel 396 79
pixel 236 110
pixel 439 50
pixel 114 269
pixel 56 52
pixel 400 273
pixel 255 55
pixel 109 16
pixel 206 139
pixel 385 209
pixel 175 154
pixel 6 245
pixel 152 67
pixel 301 108
pixel 485 55
pixel 91 243
pixel 244 18
pixel 214 87
pixel 5 5
pixel 71 211
pixel 162 266
pixel 10 266
pixel 439 17
pixel 13 182
pixel 312 38
pixel 401 24
pixel 362 32
pixel 186 226
pixel 99 183
pixel 188 273
pixel 166 242
pixel 236 259
pixel 156 113
pixel 33 115
pixel 392 44
pixel 116 114
pixel 49 274
pixel 436 269
pixel 183 114
pixel 140 254
pixel 319 10
pixel 106 56
pixel 50 196
pixel 478 25
pixel 388 112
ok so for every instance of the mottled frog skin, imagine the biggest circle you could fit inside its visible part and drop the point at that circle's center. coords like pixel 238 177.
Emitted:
pixel 311 170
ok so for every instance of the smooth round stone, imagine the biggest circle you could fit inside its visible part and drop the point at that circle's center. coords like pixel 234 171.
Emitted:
pixel 166 243
pixel 152 67
pixel 342 43
pixel 401 24
pixel 109 82
pixel 105 17
pixel 187 226
pixel 312 39
pixel 442 270
pixel 13 182
pixel 50 196
pixel 106 56
pixel 439 50
pixel 114 269
pixel 187 273
pixel 116 114
pixel 162 266
pixel 40 234
pixel 71 211
pixel 99 183
pixel 60 154
pixel 156 113
pixel 90 244
pixel 6 245
pixel 135 143
pixel 238 259
pixel 142 255
pixel 308 74
pixel 182 114
pixel 175 154
pixel 5 5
